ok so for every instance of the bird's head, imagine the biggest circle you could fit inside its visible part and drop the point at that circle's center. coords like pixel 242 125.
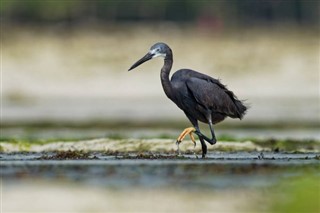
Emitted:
pixel 157 50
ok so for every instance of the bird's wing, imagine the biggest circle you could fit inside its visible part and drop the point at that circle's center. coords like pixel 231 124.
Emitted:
pixel 211 94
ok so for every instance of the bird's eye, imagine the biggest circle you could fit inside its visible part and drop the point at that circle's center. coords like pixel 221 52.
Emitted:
pixel 158 49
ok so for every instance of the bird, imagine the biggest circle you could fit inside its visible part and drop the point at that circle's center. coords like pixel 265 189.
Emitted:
pixel 201 97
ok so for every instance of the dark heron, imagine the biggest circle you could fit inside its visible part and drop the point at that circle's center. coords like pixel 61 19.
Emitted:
pixel 199 96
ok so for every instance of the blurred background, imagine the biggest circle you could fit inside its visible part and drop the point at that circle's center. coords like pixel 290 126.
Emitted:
pixel 64 64
pixel 64 78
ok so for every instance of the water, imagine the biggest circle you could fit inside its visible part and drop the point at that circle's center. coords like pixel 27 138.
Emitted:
pixel 217 171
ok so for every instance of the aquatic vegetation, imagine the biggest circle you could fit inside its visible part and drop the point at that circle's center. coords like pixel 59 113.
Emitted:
pixel 296 195
pixel 68 155
pixel 156 145
pixel 289 145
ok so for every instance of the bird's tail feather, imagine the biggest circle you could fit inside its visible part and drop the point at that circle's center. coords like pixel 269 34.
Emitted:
pixel 241 108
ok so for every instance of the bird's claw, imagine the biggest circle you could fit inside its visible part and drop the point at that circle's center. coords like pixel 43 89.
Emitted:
pixel 186 131
pixel 193 140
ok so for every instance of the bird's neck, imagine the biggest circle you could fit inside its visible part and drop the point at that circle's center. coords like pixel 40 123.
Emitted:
pixel 165 72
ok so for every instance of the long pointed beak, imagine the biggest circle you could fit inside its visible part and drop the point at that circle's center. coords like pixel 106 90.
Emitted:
pixel 145 58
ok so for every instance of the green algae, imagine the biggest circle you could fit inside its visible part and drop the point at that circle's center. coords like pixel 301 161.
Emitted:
pixel 225 144
pixel 289 145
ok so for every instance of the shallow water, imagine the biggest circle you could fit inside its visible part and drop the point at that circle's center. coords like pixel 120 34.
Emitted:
pixel 163 180
pixel 218 170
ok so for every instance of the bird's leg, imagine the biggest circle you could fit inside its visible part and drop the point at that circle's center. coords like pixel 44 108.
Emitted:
pixel 184 133
pixel 204 147
pixel 202 139
pixel 213 139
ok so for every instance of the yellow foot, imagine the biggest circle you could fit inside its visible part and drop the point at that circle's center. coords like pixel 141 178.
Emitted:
pixel 186 131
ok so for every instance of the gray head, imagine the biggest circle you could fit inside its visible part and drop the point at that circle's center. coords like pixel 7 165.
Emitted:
pixel 157 50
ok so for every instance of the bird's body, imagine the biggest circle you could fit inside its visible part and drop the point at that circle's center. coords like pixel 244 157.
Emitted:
pixel 199 96
pixel 198 93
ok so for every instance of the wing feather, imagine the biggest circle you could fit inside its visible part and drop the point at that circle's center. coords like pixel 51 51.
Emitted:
pixel 212 94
